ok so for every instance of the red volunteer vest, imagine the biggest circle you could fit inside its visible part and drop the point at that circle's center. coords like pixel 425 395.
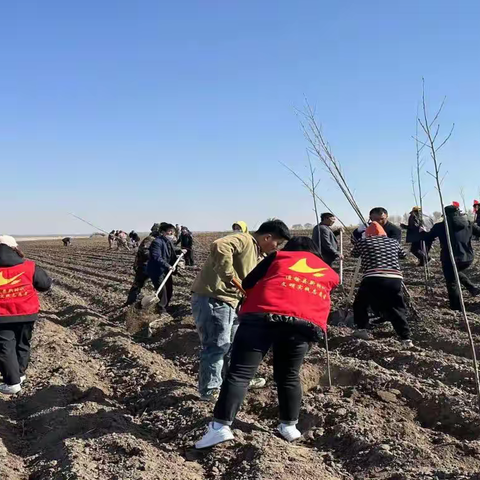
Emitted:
pixel 17 294
pixel 297 284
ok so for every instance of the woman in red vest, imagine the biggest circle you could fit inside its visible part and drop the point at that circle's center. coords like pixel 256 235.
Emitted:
pixel 287 306
pixel 19 306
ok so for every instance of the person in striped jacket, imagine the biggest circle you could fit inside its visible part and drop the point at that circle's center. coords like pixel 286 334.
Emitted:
pixel 381 286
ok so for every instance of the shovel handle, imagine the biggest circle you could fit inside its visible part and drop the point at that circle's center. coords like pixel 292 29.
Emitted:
pixel 168 275
pixel 238 286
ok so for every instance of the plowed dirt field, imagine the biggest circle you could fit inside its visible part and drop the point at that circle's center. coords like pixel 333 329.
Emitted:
pixel 101 404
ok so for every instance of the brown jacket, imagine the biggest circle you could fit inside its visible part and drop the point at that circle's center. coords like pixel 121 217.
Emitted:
pixel 233 256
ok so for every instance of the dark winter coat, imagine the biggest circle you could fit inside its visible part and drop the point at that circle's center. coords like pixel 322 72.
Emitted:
pixel 413 228
pixel 186 241
pixel 162 257
pixel 325 239
pixel 41 281
pixel 461 231
pixel 391 230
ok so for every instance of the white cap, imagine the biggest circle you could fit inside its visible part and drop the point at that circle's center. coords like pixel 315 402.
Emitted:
pixel 8 241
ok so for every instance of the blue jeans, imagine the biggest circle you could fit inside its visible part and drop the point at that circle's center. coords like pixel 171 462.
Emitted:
pixel 216 323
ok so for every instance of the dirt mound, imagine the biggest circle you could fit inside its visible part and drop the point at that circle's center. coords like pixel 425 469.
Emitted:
pixel 100 403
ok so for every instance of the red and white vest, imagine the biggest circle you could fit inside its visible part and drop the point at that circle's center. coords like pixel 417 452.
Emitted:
pixel 297 284
pixel 18 297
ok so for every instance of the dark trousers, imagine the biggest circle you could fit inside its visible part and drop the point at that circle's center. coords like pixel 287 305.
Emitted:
pixel 252 341
pixel 421 253
pixel 189 258
pixel 385 296
pixel 166 293
pixel 453 293
pixel 14 350
pixel 138 283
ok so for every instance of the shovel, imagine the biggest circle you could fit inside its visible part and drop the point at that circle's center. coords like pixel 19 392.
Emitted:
pixel 153 299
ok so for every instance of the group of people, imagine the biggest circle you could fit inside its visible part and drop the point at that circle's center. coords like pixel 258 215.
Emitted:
pixel 156 256
pixel 256 291
pixel 119 238
pixel 286 302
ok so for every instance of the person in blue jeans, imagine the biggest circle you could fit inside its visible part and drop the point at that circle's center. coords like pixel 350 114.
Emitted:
pixel 215 298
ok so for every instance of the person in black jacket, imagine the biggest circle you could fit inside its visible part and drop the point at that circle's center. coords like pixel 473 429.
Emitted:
pixel 161 261
pixel 186 242
pixel 419 248
pixel 461 231
pixel 140 266
pixel 380 215
pixel 20 279
pixel 326 239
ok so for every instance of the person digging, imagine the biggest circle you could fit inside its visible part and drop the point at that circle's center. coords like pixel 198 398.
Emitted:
pixel 215 298
pixel 461 232
pixel 286 308
pixel 381 286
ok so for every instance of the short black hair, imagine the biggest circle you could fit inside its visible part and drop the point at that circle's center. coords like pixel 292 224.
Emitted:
pixel 302 244
pixel 164 226
pixel 326 215
pixel 378 211
pixel 276 228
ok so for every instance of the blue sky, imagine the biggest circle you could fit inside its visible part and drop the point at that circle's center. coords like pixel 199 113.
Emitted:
pixel 130 112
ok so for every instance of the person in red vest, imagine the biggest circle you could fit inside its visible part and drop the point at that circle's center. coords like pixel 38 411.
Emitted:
pixel 286 308
pixel 19 306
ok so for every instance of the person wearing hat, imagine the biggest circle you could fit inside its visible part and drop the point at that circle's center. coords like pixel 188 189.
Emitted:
pixel 20 279
pixel 461 231
pixel 240 226
pixel 140 266
pixel 381 286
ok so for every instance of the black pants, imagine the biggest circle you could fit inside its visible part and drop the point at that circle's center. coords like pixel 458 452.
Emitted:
pixel 385 296
pixel 421 253
pixel 166 294
pixel 14 350
pixel 189 258
pixel 252 342
pixel 453 293
pixel 138 283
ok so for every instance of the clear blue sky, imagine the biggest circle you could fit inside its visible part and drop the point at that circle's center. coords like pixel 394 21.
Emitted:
pixel 130 112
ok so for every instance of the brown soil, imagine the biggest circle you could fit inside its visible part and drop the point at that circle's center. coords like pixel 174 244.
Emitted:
pixel 100 403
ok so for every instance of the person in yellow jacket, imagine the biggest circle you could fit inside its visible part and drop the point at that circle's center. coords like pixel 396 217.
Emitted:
pixel 240 227
pixel 215 298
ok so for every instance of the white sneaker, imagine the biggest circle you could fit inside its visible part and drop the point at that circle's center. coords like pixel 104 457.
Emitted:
pixel 257 383
pixel 289 432
pixel 407 343
pixel 214 437
pixel 22 379
pixel 10 389
pixel 362 334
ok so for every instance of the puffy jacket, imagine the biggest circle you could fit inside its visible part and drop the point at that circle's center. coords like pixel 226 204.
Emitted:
pixel 461 231
pixel 20 279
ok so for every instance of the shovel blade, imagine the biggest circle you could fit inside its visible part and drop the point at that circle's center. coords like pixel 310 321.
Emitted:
pixel 149 301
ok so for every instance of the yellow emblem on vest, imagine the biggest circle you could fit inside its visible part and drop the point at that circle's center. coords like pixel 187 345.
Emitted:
pixel 302 267
pixel 9 281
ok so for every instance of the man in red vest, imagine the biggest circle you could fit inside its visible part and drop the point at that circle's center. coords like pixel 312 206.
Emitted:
pixel 19 306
